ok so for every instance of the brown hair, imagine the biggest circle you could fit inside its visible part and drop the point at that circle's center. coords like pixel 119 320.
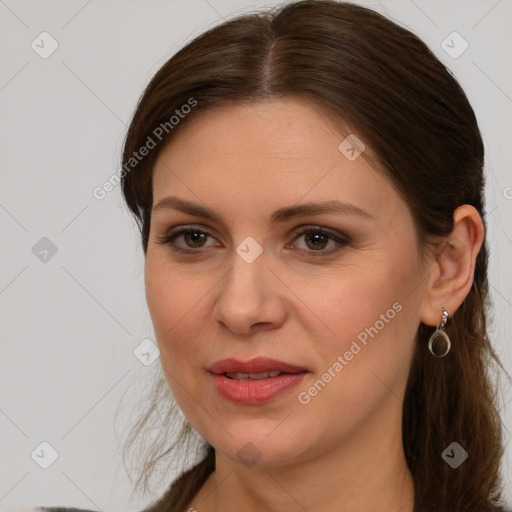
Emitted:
pixel 408 108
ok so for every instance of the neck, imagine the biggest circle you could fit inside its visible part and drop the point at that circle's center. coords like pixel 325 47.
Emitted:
pixel 357 477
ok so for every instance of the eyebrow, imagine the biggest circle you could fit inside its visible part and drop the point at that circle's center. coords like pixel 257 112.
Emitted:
pixel 281 215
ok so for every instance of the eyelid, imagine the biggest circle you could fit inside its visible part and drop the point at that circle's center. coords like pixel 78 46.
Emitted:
pixel 170 235
pixel 312 228
pixel 341 239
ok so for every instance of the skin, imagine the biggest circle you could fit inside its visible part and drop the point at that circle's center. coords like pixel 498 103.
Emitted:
pixel 342 451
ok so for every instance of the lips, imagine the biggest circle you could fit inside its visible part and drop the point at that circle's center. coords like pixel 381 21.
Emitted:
pixel 252 376
pixel 258 365
pixel 256 381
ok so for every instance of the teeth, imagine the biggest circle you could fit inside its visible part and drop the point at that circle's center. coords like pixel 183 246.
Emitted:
pixel 253 376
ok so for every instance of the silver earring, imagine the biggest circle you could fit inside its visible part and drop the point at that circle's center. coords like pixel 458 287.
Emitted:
pixel 440 332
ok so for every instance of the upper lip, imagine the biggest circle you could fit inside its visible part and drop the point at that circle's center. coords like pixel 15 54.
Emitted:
pixel 256 365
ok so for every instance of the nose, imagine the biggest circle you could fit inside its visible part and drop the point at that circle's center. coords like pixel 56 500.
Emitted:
pixel 250 297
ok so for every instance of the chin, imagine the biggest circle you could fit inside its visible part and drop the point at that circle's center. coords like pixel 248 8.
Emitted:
pixel 255 447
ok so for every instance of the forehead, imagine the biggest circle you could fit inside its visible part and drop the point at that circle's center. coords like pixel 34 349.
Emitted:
pixel 246 162
pixel 276 127
pixel 272 135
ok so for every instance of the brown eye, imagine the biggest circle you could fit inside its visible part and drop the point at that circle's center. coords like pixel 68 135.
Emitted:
pixel 316 242
pixel 192 239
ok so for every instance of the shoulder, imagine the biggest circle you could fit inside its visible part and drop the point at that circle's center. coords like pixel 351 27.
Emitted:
pixel 51 509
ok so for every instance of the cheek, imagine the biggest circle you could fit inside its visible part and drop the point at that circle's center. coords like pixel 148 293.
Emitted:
pixel 366 361
pixel 357 301
pixel 371 318
pixel 177 304
pixel 173 302
pixel 169 293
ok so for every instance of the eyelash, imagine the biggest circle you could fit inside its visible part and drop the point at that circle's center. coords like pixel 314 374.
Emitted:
pixel 341 240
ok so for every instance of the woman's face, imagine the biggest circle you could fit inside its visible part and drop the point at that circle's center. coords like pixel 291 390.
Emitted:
pixel 341 307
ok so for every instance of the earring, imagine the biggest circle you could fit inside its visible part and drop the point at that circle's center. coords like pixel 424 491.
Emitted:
pixel 440 332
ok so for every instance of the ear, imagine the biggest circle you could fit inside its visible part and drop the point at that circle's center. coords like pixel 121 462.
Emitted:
pixel 453 265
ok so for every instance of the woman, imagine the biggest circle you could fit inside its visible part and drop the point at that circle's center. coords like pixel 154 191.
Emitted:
pixel 308 184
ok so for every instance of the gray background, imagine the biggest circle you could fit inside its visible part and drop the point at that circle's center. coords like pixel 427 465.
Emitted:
pixel 69 324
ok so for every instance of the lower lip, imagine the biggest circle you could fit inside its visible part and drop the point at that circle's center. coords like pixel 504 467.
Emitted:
pixel 256 391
